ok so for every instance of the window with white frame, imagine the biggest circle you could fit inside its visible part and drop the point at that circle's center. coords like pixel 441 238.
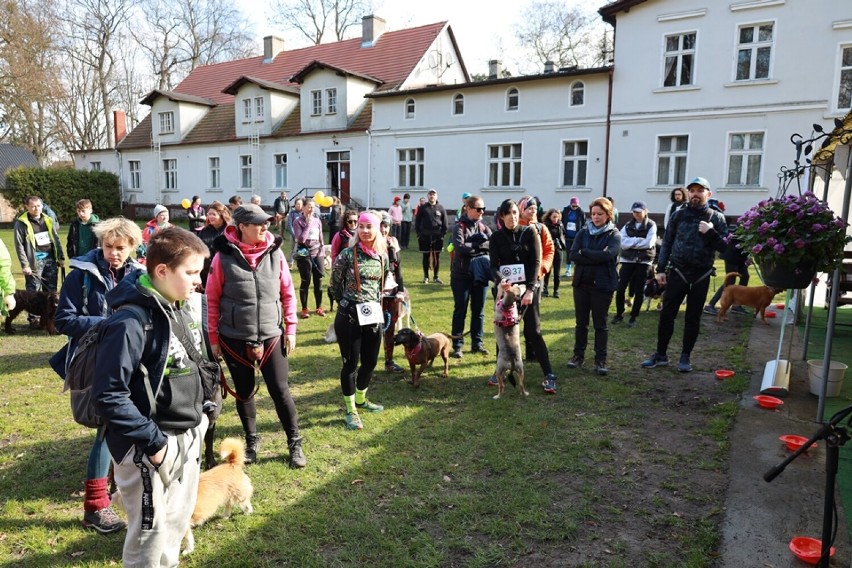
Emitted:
pixel 280 170
pixel 167 122
pixel 578 93
pixel 754 51
pixel 135 174
pixel 672 152
pixel 458 104
pixel 331 101
pixel 512 99
pixel 170 174
pixel 409 108
pixel 316 103
pixel 245 171
pixel 844 92
pixel 215 173
pixel 504 165
pixel 246 110
pixel 745 156
pixel 95 166
pixel 679 59
pixel 411 166
pixel 259 112
pixel 575 160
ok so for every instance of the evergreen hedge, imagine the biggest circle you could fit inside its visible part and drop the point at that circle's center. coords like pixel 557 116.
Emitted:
pixel 62 187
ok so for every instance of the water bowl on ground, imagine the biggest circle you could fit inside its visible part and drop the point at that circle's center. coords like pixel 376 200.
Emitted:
pixel 794 442
pixel 723 374
pixel 770 314
pixel 808 549
pixel 767 401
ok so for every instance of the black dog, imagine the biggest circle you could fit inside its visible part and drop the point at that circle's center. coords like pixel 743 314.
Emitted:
pixel 37 303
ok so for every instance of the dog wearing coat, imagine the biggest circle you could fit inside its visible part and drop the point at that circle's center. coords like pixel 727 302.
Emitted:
pixel 421 351
pixel 757 297
pixel 508 335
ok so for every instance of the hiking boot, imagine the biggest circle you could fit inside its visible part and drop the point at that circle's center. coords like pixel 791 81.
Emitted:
pixel 252 441
pixel 105 520
pixel 425 280
pixel 392 367
pixel 479 349
pixel 549 384
pixel 556 294
pixel 297 456
pixel 437 280
pixel 617 318
pixel 369 406
pixel 492 381
pixel 544 292
pixel 306 314
pixel 353 421
pixel 320 312
pixel 711 310
pixel 631 322
pixel 600 368
pixel 457 353
pixel 576 362
pixel 740 310
pixel 684 366
pixel 655 360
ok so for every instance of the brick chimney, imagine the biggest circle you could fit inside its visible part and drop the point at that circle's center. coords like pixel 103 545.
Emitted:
pixel 119 123
pixel 495 69
pixel 372 27
pixel 272 46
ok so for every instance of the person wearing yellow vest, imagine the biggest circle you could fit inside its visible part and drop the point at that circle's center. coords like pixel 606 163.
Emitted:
pixel 38 248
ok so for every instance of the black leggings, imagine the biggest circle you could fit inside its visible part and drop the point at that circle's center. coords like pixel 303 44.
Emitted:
pixel 275 370
pixel 307 268
pixel 356 343
pixel 556 270
pixel 532 334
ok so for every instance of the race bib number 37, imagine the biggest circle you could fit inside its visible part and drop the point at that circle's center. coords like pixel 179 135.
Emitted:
pixel 513 273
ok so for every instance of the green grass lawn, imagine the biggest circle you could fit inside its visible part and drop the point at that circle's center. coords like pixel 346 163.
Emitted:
pixel 446 476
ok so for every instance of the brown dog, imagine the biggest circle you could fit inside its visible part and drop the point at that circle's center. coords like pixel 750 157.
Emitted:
pixel 757 297
pixel 421 351
pixel 508 335
pixel 37 303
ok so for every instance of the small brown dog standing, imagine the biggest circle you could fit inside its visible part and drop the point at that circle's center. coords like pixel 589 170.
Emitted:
pixel 757 297
pixel 421 351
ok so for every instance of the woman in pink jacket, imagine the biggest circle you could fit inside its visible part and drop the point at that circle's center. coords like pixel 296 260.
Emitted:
pixel 250 299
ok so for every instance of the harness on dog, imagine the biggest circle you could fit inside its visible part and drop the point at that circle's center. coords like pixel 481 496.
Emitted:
pixel 413 353
pixel 508 316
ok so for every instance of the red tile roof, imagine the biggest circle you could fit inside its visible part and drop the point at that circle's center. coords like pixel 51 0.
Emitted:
pixel 391 60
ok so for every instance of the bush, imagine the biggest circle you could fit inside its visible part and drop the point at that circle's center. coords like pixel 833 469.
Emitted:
pixel 62 187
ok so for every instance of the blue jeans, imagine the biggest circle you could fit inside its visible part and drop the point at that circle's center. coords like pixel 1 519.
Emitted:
pixel 464 292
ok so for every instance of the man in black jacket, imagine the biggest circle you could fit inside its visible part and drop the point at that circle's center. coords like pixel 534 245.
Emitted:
pixel 431 226
pixel 281 208
pixel 685 266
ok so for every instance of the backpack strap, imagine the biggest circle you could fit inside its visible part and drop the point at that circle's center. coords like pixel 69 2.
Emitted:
pixel 144 317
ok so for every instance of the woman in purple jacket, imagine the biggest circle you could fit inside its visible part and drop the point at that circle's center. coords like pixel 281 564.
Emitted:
pixel 310 257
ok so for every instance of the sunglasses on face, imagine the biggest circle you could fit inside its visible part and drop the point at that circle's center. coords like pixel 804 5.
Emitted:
pixel 352 222
pixel 480 209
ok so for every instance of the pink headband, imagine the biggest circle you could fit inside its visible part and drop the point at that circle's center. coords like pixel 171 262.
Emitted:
pixel 367 217
pixel 525 202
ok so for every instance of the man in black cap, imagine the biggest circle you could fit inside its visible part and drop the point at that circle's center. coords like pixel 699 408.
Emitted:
pixel 430 224
pixel 638 238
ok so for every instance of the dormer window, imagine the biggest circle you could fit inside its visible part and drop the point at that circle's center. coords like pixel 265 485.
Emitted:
pixel 316 103
pixel 331 101
pixel 258 109
pixel 167 122
pixel 512 97
pixel 409 108
pixel 458 104
pixel 246 110
pixel 578 94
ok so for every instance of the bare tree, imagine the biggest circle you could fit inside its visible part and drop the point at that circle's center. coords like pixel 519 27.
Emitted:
pixel 561 34
pixel 316 19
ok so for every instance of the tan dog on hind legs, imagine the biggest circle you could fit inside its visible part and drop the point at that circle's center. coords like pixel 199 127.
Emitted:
pixel 508 335
pixel 757 297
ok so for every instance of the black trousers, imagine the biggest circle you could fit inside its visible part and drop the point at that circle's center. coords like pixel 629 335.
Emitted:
pixel 308 269
pixel 406 234
pixel 431 249
pixel 356 343
pixel 555 270
pixel 535 344
pixel 589 300
pixel 693 287
pixel 632 275
pixel 731 267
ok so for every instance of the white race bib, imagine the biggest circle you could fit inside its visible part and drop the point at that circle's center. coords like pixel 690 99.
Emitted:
pixel 42 238
pixel 571 226
pixel 513 273
pixel 313 234
pixel 369 313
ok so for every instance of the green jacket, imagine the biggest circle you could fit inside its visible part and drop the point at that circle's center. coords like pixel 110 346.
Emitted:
pixel 7 281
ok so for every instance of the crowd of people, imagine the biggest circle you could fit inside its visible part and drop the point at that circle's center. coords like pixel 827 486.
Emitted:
pixel 211 290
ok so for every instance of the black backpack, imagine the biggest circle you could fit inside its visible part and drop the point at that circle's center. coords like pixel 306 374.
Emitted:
pixel 82 368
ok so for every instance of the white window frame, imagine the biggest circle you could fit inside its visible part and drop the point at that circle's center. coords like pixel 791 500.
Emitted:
pixel 677 56
pixel 316 102
pixel 245 171
pixel 331 101
pixel 410 109
pixel 577 88
pixel 753 48
pixel 841 70
pixel 411 167
pixel 214 166
pixel 135 168
pixel 513 99
pixel 673 161
pixel 280 173
pixel 746 158
pixel 575 154
pixel 458 104
pixel 167 122
pixel 170 174
pixel 505 165
pixel 259 110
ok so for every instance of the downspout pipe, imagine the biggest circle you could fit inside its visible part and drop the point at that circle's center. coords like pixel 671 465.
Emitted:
pixel 608 130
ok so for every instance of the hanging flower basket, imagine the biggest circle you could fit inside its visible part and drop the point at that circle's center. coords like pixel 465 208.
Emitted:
pixel 783 277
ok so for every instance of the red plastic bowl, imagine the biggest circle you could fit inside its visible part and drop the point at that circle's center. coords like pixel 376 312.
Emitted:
pixel 794 442
pixel 723 374
pixel 808 549
pixel 770 314
pixel 767 401
pixel 779 306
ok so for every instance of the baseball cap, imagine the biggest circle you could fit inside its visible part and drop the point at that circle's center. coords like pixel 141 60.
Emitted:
pixel 466 194
pixel 700 181
pixel 250 214
pixel 396 199
pixel 433 190
pixel 639 206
